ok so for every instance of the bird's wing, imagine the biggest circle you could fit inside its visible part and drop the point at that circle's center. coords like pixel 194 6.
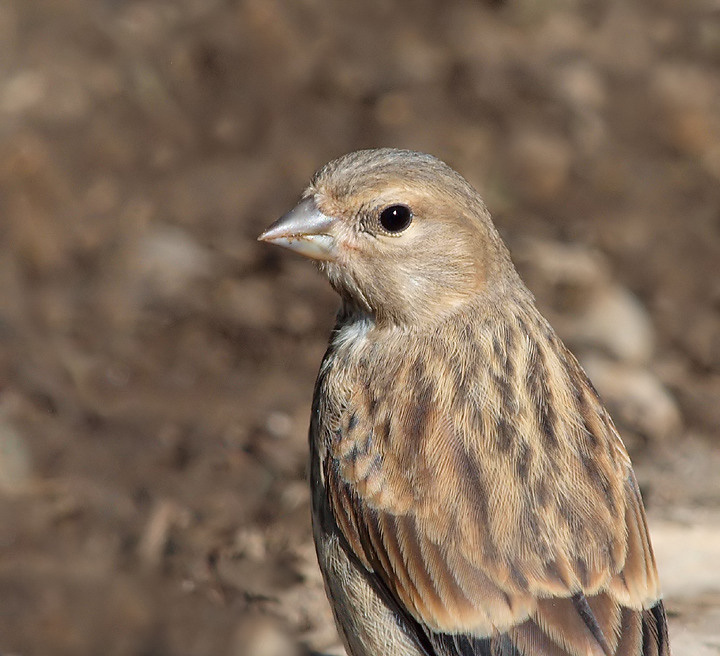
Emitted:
pixel 499 533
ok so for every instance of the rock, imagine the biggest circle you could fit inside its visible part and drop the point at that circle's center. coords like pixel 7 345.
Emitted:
pixel 539 164
pixel 686 98
pixel 566 275
pixel 635 398
pixel 615 322
pixel 711 160
pixel 261 636
pixel 36 197
pixel 701 340
pixel 306 606
pixel 15 461
pixel 279 424
pixel 581 84
pixel 155 537
pixel 692 642
pixel 687 555
pixel 587 308
pixel 23 92
pixel 168 261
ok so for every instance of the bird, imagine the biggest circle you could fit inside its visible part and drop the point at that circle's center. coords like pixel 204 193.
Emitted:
pixel 471 495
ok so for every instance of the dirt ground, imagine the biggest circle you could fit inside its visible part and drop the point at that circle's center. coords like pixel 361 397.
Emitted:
pixel 157 363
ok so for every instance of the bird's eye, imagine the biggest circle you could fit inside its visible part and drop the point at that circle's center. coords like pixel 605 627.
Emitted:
pixel 396 218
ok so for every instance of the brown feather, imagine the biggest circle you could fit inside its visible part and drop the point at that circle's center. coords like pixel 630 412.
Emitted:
pixel 482 502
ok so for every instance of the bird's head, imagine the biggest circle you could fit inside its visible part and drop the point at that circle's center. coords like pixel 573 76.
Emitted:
pixel 399 234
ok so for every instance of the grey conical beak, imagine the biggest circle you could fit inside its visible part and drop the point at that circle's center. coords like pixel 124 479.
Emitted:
pixel 305 230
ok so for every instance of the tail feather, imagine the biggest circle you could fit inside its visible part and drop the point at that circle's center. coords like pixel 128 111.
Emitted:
pixel 642 633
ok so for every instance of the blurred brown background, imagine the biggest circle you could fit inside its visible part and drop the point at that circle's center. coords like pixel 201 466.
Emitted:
pixel 157 363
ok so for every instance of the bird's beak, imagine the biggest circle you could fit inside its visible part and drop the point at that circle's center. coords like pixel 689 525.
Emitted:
pixel 305 230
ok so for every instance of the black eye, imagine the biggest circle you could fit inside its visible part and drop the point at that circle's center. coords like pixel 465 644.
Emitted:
pixel 396 218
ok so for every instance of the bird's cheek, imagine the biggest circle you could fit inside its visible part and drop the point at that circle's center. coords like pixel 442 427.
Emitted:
pixel 348 245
